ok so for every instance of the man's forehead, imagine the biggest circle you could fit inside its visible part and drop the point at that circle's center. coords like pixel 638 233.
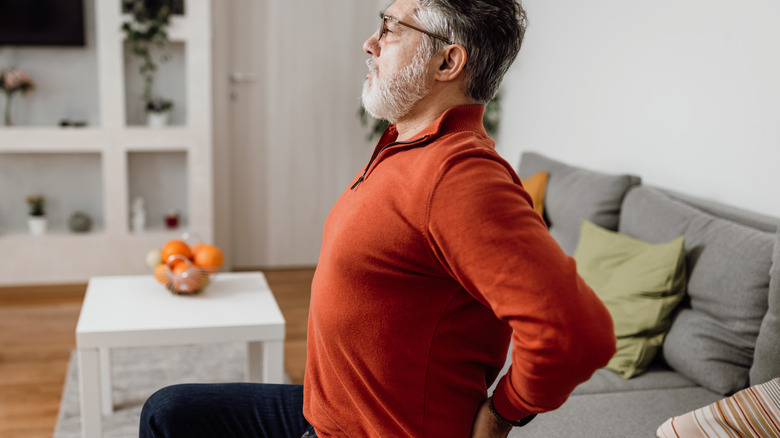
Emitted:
pixel 400 10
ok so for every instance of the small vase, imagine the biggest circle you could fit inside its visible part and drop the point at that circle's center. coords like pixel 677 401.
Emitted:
pixel 7 115
pixel 157 119
pixel 138 222
pixel 37 225
pixel 172 220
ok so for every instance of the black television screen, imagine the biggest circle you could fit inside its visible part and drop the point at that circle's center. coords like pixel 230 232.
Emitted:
pixel 41 23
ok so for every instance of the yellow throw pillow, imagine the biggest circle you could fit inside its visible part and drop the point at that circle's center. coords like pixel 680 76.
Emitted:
pixel 536 186
pixel 640 283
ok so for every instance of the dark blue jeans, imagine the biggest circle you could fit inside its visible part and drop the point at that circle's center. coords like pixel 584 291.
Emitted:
pixel 226 410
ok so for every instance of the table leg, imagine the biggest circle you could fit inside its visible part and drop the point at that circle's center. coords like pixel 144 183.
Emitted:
pixel 89 382
pixel 106 398
pixel 265 361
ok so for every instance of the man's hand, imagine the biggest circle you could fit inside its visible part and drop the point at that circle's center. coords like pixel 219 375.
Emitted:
pixel 486 425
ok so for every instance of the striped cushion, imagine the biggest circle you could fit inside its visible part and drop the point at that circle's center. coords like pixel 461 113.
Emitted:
pixel 752 412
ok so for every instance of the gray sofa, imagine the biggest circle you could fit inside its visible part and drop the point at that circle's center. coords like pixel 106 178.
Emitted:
pixel 724 335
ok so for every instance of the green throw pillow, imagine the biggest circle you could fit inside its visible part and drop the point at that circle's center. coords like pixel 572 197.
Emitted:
pixel 640 283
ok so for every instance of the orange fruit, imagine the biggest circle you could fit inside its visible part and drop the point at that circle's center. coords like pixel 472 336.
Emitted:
pixel 174 247
pixel 161 273
pixel 209 256
pixel 196 248
pixel 178 263
pixel 179 267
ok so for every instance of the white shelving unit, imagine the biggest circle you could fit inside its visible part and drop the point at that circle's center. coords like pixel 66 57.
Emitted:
pixel 110 248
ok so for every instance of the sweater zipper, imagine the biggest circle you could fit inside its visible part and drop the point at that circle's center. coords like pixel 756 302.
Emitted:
pixel 399 143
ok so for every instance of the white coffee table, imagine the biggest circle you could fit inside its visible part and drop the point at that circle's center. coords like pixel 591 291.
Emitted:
pixel 136 311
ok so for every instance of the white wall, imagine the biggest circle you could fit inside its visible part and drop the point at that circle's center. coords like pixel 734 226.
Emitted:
pixel 685 93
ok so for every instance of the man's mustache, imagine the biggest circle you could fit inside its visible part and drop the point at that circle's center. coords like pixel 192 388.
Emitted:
pixel 371 65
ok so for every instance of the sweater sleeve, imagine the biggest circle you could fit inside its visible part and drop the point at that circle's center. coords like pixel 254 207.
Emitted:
pixel 483 229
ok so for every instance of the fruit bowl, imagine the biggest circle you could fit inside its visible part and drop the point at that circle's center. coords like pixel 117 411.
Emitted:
pixel 180 276
pixel 185 269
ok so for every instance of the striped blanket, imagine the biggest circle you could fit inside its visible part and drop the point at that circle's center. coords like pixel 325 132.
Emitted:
pixel 752 412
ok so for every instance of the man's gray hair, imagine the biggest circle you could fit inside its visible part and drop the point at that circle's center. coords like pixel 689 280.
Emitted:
pixel 490 30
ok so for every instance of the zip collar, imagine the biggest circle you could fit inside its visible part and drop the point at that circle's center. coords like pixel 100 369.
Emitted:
pixel 382 149
pixel 456 119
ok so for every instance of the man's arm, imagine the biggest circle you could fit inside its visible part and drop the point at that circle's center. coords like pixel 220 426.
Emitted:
pixel 487 425
pixel 485 232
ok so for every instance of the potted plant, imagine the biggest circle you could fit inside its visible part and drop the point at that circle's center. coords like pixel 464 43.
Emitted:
pixel 158 112
pixel 12 81
pixel 146 29
pixel 36 220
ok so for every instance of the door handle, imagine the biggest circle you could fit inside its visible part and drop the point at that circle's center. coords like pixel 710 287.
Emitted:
pixel 238 76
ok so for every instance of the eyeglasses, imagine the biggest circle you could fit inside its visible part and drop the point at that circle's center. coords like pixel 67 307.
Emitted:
pixel 386 18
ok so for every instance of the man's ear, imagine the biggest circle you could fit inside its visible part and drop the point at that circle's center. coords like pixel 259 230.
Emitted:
pixel 451 63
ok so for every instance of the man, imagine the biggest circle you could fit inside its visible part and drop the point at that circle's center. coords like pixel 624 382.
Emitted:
pixel 431 260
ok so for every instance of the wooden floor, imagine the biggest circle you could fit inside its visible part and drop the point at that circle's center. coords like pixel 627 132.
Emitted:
pixel 37 335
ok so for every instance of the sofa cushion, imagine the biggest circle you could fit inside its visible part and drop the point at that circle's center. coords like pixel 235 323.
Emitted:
pixel 752 412
pixel 731 213
pixel 640 283
pixel 657 376
pixel 766 360
pixel 714 332
pixel 536 185
pixel 575 194
pixel 632 414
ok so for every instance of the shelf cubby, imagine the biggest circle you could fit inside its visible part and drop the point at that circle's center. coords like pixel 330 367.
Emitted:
pixel 170 78
pixel 160 179
pixel 24 174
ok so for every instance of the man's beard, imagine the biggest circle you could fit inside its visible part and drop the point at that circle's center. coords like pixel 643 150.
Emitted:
pixel 393 97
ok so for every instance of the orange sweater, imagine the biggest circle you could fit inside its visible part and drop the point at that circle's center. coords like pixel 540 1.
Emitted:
pixel 428 265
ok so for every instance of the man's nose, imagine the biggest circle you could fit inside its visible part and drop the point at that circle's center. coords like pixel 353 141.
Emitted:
pixel 371 45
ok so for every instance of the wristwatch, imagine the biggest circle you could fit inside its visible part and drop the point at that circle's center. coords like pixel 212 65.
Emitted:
pixel 520 423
